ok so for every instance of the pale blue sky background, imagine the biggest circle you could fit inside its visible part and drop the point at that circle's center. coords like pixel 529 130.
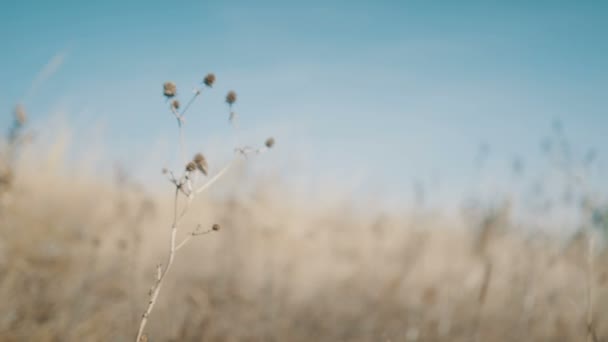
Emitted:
pixel 373 95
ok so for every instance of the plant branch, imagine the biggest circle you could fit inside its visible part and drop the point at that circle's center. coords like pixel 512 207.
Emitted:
pixel 161 274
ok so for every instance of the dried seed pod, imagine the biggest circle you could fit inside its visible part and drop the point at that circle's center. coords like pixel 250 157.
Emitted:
pixel 169 89
pixel 231 97
pixel 175 104
pixel 201 163
pixel 269 142
pixel 190 167
pixel 216 227
pixel 209 80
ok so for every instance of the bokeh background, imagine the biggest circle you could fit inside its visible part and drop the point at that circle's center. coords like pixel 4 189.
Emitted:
pixel 439 172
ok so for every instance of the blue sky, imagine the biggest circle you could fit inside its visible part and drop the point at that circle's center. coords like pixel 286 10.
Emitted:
pixel 373 95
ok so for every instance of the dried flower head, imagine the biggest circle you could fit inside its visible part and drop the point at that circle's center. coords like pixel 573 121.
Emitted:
pixel 231 97
pixel 201 163
pixel 269 142
pixel 216 227
pixel 169 89
pixel 20 115
pixel 175 104
pixel 209 80
pixel 190 166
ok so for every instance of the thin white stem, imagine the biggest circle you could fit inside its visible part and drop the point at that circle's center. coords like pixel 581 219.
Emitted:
pixel 161 275
pixel 215 178
pixel 244 152
pixel 233 118
pixel 182 152
pixel 186 207
pixel 187 239
pixel 190 193
pixel 180 120
pixel 183 243
pixel 196 94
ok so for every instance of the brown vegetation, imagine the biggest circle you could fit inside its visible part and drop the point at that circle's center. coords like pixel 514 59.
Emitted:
pixel 77 259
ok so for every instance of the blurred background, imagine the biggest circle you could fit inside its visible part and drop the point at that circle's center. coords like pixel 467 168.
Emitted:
pixel 439 172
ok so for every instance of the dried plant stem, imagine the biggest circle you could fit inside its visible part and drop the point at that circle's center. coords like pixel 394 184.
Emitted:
pixel 161 274
pixel 174 247
pixel 485 283
pixel 196 94
pixel 187 239
pixel 591 333
pixel 216 177
pixel 186 186
pixel 483 293
pixel 180 121
pixel 182 151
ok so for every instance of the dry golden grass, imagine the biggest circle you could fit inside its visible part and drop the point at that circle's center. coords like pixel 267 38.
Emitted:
pixel 77 256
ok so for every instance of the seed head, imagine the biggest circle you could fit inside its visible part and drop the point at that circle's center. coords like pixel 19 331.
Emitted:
pixel 269 142
pixel 20 115
pixel 216 227
pixel 209 80
pixel 175 104
pixel 190 167
pixel 201 163
pixel 231 97
pixel 169 89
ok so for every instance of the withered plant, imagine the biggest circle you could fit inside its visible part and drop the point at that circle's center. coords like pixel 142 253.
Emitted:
pixel 194 178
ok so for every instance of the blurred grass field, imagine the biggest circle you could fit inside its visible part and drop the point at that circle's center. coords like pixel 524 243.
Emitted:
pixel 78 255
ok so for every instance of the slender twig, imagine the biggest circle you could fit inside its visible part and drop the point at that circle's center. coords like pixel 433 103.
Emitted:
pixel 244 151
pixel 186 184
pixel 197 92
pixel 215 178
pixel 180 120
pixel 190 236
pixel 161 274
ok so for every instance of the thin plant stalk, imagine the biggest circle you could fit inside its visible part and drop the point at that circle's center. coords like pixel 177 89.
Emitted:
pixel 185 186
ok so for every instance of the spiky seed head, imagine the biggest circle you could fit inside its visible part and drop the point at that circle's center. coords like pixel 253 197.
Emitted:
pixel 209 80
pixel 169 89
pixel 269 142
pixel 201 163
pixel 216 227
pixel 175 104
pixel 20 114
pixel 190 166
pixel 231 97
